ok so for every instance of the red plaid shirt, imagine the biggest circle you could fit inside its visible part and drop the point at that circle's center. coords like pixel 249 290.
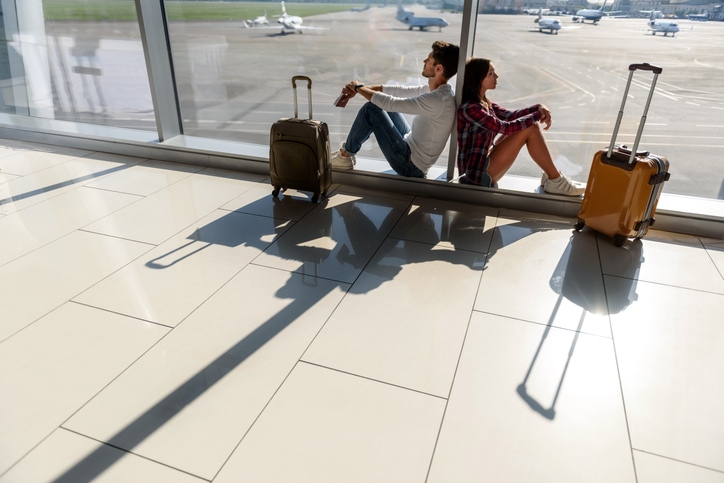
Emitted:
pixel 477 129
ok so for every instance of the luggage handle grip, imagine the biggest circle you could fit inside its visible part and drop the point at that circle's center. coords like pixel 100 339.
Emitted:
pixel 632 68
pixel 646 66
pixel 309 93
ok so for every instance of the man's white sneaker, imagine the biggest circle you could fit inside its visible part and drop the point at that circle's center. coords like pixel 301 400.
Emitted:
pixel 563 185
pixel 343 162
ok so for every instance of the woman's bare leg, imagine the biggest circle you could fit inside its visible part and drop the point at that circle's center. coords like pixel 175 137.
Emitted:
pixel 505 152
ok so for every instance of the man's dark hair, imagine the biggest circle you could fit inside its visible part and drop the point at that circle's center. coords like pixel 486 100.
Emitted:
pixel 446 54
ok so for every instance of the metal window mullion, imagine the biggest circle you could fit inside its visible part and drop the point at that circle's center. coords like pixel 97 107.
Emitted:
pixel 467 42
pixel 153 24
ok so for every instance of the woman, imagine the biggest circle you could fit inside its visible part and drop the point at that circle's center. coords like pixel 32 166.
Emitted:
pixel 482 162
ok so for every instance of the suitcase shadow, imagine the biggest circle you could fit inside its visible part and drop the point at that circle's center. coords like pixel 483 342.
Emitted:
pixel 228 231
pixel 578 278
pixel 309 255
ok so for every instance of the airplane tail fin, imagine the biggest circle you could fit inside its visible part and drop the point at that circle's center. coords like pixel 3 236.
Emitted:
pixel 284 9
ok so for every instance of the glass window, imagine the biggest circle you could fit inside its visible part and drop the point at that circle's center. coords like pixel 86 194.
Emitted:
pixel 234 61
pixel 83 61
pixel 75 60
pixel 579 72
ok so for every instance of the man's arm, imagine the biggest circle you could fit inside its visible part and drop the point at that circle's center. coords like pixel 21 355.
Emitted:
pixel 356 87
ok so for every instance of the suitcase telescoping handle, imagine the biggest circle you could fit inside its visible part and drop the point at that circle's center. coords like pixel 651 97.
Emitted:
pixel 309 93
pixel 632 68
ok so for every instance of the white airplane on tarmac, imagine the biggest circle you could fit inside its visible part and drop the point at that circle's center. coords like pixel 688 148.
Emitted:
pixel 260 20
pixel 665 26
pixel 422 23
pixel 292 23
pixel 594 15
pixel 553 25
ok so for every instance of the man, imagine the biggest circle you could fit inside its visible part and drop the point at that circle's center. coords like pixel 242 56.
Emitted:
pixel 410 151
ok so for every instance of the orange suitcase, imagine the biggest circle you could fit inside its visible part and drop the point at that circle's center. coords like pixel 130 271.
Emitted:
pixel 624 184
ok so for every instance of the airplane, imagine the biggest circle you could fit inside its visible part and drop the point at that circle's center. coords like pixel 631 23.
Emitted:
pixel 553 25
pixel 422 23
pixel 665 26
pixel 653 14
pixel 292 23
pixel 260 20
pixel 361 9
pixel 594 15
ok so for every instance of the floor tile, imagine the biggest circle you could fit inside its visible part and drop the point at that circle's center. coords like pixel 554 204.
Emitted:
pixel 669 350
pixel 337 239
pixel 4 178
pixel 37 187
pixel 38 225
pixel 655 469
pixel 448 224
pixel 715 249
pixel 259 201
pixel 667 258
pixel 166 284
pixel 189 401
pixel 325 426
pixel 526 215
pixel 66 457
pixel 543 272
pixel 45 381
pixel 365 192
pixel 39 282
pixel 146 178
pixel 23 162
pixel 399 326
pixel 533 403
pixel 165 213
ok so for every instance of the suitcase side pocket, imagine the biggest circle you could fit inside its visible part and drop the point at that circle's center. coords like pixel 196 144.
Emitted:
pixel 293 162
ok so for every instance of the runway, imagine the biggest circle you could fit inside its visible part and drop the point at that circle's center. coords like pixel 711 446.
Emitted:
pixel 234 82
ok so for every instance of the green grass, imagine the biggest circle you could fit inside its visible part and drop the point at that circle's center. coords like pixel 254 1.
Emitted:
pixel 125 10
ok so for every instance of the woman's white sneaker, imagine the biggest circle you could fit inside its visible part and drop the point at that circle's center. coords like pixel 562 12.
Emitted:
pixel 563 185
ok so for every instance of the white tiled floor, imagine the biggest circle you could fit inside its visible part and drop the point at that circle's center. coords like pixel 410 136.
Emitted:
pixel 169 323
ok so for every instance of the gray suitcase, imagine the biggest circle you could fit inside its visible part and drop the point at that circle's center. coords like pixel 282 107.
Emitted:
pixel 299 154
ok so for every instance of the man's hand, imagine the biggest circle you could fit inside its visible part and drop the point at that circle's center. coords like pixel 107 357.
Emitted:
pixel 349 88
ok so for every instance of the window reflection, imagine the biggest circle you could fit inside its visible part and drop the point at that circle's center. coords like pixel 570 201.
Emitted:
pixel 76 61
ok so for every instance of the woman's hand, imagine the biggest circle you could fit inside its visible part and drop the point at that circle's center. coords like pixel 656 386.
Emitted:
pixel 545 116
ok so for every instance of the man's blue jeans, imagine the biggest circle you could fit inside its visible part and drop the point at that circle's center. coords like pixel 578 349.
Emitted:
pixel 390 129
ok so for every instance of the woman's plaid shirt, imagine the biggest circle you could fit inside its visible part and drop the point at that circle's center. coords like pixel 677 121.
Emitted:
pixel 477 129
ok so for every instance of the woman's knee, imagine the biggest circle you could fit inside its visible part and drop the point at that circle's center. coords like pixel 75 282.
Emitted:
pixel 534 130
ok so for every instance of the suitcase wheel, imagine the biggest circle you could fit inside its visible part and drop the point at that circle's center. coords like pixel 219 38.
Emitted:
pixel 275 191
pixel 579 226
pixel 619 240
